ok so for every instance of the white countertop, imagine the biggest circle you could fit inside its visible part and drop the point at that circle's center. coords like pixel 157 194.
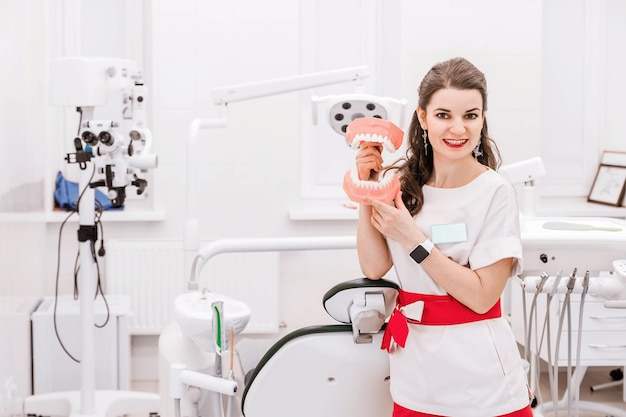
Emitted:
pixel 547 207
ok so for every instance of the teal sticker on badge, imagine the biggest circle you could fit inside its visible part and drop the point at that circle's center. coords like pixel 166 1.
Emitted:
pixel 448 233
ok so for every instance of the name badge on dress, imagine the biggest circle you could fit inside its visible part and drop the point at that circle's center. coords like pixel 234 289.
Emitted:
pixel 448 233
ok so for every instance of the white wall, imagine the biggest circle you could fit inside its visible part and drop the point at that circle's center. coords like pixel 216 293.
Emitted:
pixel 615 64
pixel 504 40
pixel 249 172
pixel 22 103
pixel 582 72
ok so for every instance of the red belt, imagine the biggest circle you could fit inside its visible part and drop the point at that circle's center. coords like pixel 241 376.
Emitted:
pixel 399 411
pixel 439 310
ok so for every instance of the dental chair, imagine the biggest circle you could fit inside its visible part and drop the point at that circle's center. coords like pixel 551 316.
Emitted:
pixel 329 370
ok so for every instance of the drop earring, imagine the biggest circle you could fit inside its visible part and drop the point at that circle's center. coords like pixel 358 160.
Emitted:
pixel 477 152
pixel 425 136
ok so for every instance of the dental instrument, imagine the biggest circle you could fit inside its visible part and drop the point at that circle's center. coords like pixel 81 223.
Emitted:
pixel 585 285
pixel 530 318
pixel 565 310
pixel 545 332
pixel 552 368
pixel 108 159
pixel 605 285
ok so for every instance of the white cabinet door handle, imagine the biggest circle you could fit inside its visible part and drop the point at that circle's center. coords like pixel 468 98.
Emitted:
pixel 593 345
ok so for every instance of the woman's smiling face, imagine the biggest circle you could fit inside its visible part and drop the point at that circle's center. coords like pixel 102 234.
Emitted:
pixel 454 120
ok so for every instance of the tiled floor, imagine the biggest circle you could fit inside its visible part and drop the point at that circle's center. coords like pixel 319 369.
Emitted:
pixel 593 378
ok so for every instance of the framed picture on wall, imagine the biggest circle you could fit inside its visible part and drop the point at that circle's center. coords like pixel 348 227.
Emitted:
pixel 615 158
pixel 608 185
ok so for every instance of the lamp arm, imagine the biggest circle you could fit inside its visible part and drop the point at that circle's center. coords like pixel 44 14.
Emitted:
pixel 191 232
pixel 217 247
pixel 240 92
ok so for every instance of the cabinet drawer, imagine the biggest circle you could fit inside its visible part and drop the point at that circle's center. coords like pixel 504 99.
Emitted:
pixel 595 346
pixel 596 317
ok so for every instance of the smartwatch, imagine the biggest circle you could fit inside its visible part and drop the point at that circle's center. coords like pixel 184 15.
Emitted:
pixel 422 251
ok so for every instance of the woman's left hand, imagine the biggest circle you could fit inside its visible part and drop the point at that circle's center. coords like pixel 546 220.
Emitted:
pixel 394 221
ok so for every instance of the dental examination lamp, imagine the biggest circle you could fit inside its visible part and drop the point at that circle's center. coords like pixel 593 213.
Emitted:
pixel 340 111
pixel 117 153
pixel 525 172
pixel 343 109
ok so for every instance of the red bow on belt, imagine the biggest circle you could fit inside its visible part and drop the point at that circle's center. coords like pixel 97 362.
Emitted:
pixel 438 310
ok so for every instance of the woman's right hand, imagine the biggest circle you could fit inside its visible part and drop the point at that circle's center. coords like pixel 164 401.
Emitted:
pixel 369 161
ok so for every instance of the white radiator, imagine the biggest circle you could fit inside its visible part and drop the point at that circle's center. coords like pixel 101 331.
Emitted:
pixel 151 273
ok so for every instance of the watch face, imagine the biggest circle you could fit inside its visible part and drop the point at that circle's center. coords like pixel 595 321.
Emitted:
pixel 419 254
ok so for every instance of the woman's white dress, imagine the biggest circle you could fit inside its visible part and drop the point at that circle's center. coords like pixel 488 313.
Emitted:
pixel 473 369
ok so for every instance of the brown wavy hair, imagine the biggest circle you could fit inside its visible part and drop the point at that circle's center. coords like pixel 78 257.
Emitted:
pixel 416 168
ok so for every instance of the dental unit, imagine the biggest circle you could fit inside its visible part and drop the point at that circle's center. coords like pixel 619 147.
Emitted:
pixel 373 130
pixel 360 305
pixel 547 242
pixel 203 318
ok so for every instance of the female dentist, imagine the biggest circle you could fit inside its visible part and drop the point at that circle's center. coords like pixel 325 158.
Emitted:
pixel 452 236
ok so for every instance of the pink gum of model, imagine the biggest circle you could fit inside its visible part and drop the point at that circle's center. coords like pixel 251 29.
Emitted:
pixel 386 191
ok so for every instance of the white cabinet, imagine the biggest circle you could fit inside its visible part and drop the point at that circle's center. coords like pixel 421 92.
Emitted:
pixel 54 370
pixel 15 365
pixel 603 338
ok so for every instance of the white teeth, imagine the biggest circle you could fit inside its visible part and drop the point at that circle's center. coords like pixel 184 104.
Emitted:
pixel 384 182
pixel 455 141
pixel 367 137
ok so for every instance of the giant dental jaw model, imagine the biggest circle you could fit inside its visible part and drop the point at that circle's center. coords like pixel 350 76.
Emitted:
pixel 371 129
